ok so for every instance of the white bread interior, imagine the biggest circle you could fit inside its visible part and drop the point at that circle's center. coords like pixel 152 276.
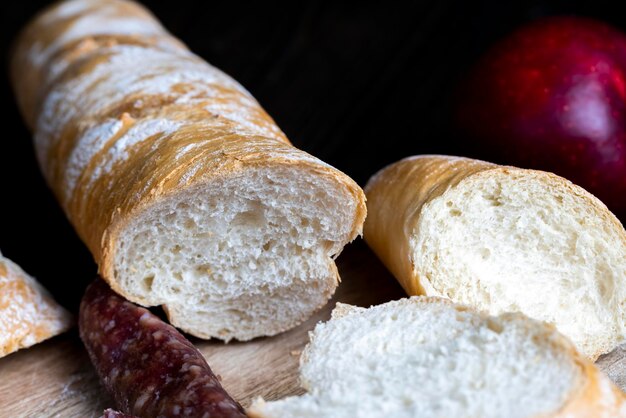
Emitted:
pixel 250 252
pixel 503 239
pixel 426 357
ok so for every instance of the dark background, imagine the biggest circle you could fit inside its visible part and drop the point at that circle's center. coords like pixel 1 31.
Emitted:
pixel 358 84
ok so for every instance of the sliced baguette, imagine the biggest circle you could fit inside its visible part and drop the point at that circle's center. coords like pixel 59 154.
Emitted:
pixel 503 239
pixel 186 192
pixel 427 357
pixel 28 314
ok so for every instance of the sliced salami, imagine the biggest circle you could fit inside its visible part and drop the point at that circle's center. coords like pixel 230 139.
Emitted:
pixel 148 367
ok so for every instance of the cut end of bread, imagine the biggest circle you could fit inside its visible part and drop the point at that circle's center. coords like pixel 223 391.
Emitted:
pixel 28 313
pixel 426 357
pixel 247 255
pixel 508 239
pixel 503 239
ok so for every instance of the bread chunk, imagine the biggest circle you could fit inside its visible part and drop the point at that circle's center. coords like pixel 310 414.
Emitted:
pixel 503 239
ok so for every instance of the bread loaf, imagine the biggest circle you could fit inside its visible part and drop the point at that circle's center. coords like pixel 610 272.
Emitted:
pixel 503 239
pixel 185 191
pixel 28 314
pixel 429 358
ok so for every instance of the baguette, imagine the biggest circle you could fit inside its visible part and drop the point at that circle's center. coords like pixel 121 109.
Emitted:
pixel 28 314
pixel 186 192
pixel 427 357
pixel 503 239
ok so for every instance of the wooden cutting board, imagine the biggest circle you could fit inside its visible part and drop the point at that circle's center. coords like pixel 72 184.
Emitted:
pixel 55 379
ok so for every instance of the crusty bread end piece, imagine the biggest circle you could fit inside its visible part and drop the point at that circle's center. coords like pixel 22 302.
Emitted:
pixel 503 239
pixel 28 314
pixel 427 357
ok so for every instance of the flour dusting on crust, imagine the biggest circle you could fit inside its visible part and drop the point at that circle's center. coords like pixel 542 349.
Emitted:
pixel 29 314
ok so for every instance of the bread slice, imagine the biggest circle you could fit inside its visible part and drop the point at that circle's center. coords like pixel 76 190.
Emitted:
pixel 28 314
pixel 427 357
pixel 184 189
pixel 503 239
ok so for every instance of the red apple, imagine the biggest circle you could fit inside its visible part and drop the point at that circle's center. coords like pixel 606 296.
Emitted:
pixel 552 96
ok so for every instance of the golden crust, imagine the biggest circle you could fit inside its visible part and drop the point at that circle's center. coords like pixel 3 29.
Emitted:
pixel 125 116
pixel 29 314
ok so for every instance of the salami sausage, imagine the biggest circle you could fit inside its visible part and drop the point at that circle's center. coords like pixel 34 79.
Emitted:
pixel 148 367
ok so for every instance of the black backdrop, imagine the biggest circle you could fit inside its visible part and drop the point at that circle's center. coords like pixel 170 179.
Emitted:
pixel 358 84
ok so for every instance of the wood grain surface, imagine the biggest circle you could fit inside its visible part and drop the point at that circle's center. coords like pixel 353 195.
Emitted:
pixel 55 379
